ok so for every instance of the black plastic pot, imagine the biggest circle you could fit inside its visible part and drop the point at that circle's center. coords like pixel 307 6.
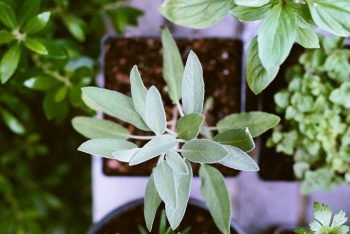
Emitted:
pixel 129 224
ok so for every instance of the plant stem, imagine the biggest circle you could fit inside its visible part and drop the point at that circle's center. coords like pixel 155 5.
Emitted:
pixel 136 137
pixel 212 128
pixel 171 132
pixel 179 108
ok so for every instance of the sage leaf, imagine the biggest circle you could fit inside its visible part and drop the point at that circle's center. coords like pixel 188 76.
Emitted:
pixel 183 186
pixel 125 155
pixel 203 151
pixel 244 13
pixel 138 91
pixel 35 46
pixel 239 160
pixel 251 3
pixel 189 126
pixel 193 85
pixel 239 138
pixel 176 162
pixel 331 15
pixel 9 62
pixel 155 113
pixel 152 202
pixel 307 38
pixel 258 77
pixel 158 145
pixel 196 13
pixel 216 196
pixel 7 16
pixel 37 23
pixel 114 104
pixel 173 67
pixel 165 184
pixel 277 35
pixel 6 37
pixel 105 147
pixel 257 122
pixel 99 128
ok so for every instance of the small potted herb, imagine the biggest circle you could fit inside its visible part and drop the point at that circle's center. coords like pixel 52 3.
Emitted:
pixel 176 143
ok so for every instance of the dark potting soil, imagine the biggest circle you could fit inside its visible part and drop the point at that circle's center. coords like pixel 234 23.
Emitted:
pixel 197 218
pixel 221 60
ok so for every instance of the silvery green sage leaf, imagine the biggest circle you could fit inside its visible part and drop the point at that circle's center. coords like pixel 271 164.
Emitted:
pixel 105 147
pixel 196 13
pixel 188 126
pixel 251 3
pixel 307 38
pixel 125 155
pixel 99 128
pixel 183 186
pixel 193 85
pixel 176 162
pixel 203 151
pixel 114 104
pixel 155 114
pixel 173 67
pixel 216 196
pixel 258 77
pixel 165 184
pixel 138 91
pixel 158 145
pixel 277 35
pixel 152 202
pixel 239 138
pixel 239 160
pixel 257 122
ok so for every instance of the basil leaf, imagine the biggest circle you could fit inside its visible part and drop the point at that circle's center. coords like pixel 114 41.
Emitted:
pixel 307 38
pixel 176 162
pixel 125 155
pixel 152 202
pixel 41 83
pixel 9 62
pixel 173 67
pixel 277 35
pixel 251 3
pixel 258 77
pixel 188 126
pixel 99 128
pixel 331 15
pixel 155 113
pixel 239 138
pixel 158 145
pixel 105 147
pixel 216 196
pixel 6 37
pixel 7 16
pixel 203 151
pixel 256 122
pixel 196 13
pixel 193 85
pixel 35 46
pixel 138 91
pixel 244 13
pixel 239 160
pixel 165 184
pixel 114 104
pixel 37 23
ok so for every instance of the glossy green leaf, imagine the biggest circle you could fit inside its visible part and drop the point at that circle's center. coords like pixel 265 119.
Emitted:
pixel 258 77
pixel 307 38
pixel 125 155
pixel 251 3
pixel 7 16
pixel 35 46
pixel 239 160
pixel 196 13
pixel 188 126
pixel 105 147
pixel 9 62
pixel 165 184
pixel 277 35
pixel 173 67
pixel 99 128
pixel 61 93
pixel 216 196
pixel 12 122
pixel 152 202
pixel 203 151
pixel 244 13
pixel 53 109
pixel 176 162
pixel 256 122
pixel 29 8
pixel 193 85
pixel 183 186
pixel 157 146
pixel 41 83
pixel 75 26
pixel 331 15
pixel 155 113
pixel 138 91
pixel 6 37
pixel 54 50
pixel 114 104
pixel 239 138
pixel 37 23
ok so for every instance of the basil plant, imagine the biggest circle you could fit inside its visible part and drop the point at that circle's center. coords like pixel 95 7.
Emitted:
pixel 315 106
pixel 176 143
pixel 283 23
